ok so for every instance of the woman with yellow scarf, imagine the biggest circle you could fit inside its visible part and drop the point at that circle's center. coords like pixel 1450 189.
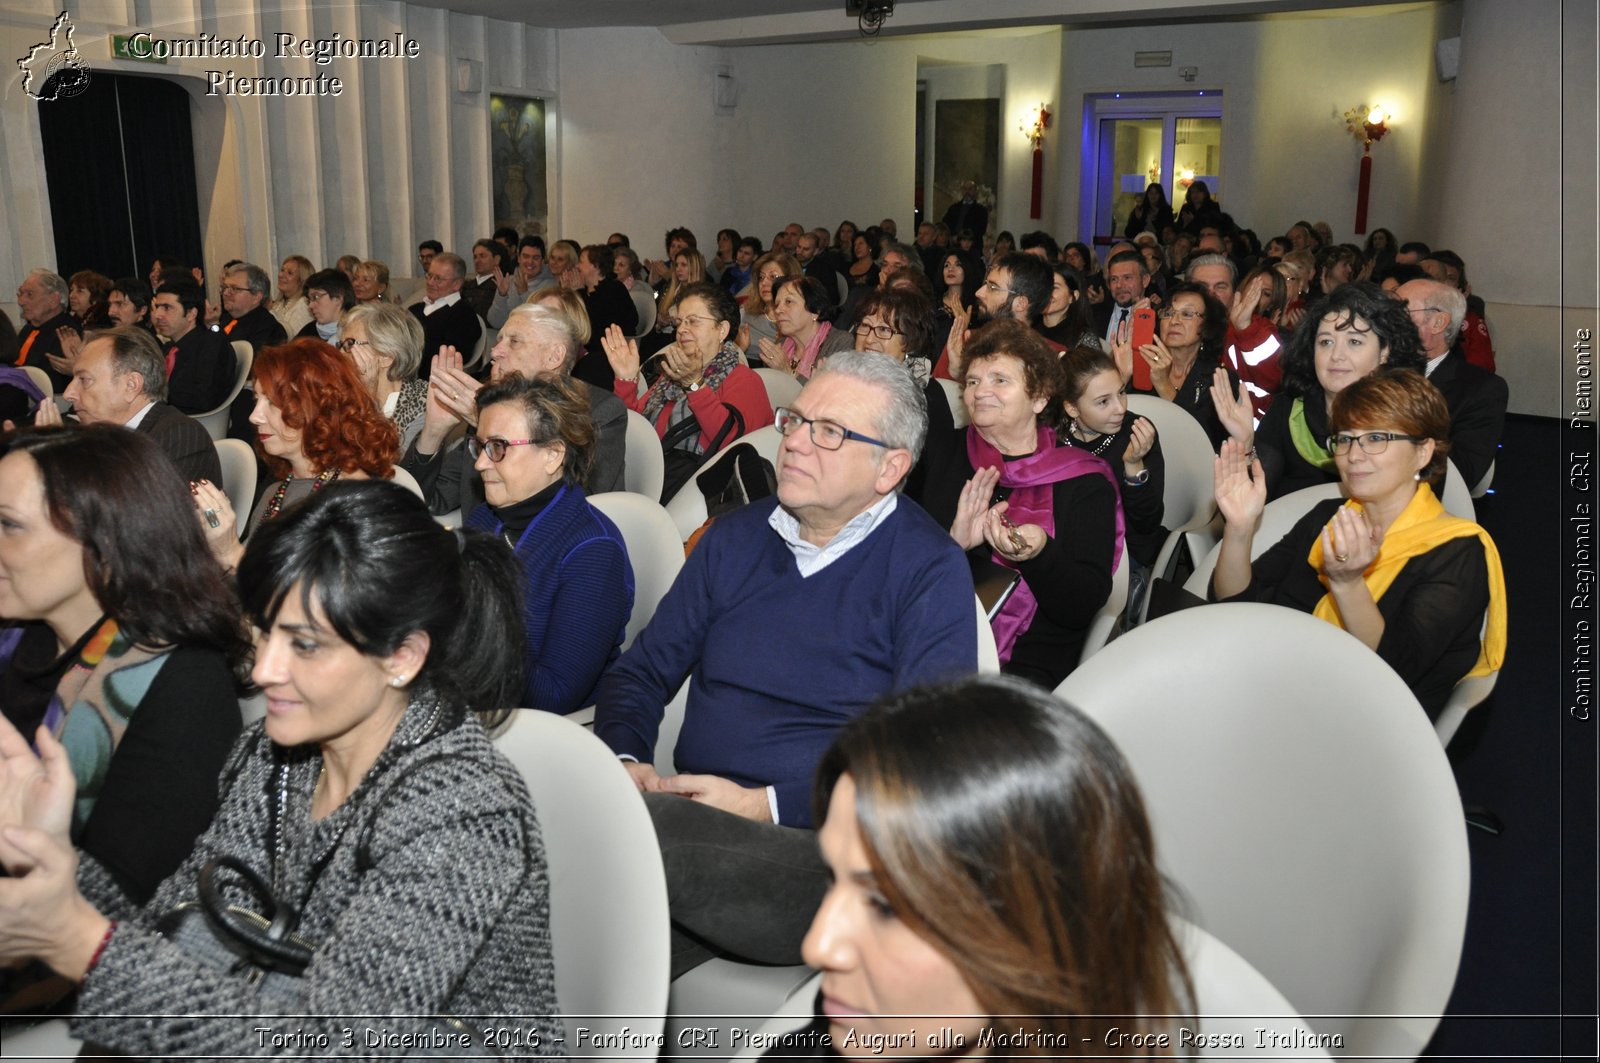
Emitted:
pixel 1422 588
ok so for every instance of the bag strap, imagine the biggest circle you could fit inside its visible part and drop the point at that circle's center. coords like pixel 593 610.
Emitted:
pixel 689 427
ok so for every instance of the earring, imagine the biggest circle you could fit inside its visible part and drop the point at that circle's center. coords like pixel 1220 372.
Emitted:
pixel 1417 476
pixel 397 681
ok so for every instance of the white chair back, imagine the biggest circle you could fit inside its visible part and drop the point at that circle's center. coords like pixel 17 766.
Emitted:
pixel 481 349
pixel 643 466
pixel 688 506
pixel 41 380
pixel 654 551
pixel 1188 501
pixel 644 301
pixel 1482 487
pixel 1106 618
pixel 952 395
pixel 239 472
pixel 1277 518
pixel 1303 804
pixel 1464 697
pixel 608 892
pixel 1456 496
pixel 409 482
pixel 988 651
pixel 215 421
pixel 782 389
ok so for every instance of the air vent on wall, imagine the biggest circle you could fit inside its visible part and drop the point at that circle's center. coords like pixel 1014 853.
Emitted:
pixel 1152 58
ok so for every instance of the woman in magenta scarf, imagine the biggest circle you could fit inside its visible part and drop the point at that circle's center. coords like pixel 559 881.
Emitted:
pixel 1013 498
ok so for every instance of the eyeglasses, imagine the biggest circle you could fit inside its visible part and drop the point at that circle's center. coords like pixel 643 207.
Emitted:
pixel 1424 310
pixel 350 343
pixel 1182 315
pixel 883 332
pixel 234 288
pixel 825 434
pixel 695 321
pixel 1370 442
pixel 993 287
pixel 495 447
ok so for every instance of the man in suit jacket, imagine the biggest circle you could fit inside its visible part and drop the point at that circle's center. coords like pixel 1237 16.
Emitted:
pixel 446 320
pixel 120 377
pixel 42 298
pixel 1477 398
pixel 200 364
pixel 245 315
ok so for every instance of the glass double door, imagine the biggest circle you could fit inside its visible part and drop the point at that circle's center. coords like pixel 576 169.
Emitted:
pixel 1172 146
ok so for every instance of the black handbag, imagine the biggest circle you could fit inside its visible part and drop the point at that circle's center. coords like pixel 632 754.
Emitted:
pixel 682 464
pixel 264 945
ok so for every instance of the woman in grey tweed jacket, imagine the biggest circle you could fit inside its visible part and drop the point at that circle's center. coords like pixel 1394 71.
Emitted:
pixel 368 796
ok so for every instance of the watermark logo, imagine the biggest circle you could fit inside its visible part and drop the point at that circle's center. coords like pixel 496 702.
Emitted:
pixel 55 70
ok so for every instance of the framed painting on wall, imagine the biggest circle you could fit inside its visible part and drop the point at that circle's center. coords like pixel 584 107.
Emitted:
pixel 517 163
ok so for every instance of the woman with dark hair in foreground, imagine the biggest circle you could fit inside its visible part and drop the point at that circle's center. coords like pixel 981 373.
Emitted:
pixel 369 797
pixel 991 858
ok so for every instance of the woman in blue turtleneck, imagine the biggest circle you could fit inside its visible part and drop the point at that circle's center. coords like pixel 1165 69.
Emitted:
pixel 534 445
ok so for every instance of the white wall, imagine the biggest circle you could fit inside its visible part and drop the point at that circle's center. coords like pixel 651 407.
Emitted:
pixel 1285 84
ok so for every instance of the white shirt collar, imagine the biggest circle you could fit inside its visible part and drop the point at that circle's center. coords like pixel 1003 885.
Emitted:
pixel 1433 363
pixel 810 558
pixel 133 422
pixel 429 306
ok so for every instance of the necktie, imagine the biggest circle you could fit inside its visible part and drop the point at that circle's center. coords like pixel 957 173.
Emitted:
pixel 229 326
pixel 172 358
pixel 22 354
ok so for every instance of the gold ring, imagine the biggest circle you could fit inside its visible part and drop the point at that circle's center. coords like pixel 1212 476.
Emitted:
pixel 1341 558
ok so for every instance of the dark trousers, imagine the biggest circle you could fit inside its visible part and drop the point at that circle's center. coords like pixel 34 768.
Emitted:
pixel 736 888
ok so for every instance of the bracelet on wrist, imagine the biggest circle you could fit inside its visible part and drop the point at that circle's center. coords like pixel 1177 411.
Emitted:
pixel 99 950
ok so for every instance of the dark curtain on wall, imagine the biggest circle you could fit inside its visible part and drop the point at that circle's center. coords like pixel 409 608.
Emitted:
pixel 119 162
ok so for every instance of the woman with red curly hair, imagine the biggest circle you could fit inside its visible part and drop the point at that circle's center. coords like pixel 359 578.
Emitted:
pixel 315 423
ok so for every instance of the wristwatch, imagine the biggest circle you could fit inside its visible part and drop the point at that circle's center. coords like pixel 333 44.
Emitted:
pixel 696 386
pixel 1137 478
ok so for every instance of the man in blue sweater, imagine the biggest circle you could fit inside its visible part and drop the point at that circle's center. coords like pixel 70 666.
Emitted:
pixel 789 619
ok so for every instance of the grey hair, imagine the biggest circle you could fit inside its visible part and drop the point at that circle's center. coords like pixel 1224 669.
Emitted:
pixel 903 424
pixel 455 262
pixel 913 259
pixel 134 350
pixel 391 330
pixel 552 325
pixel 255 278
pixel 51 282
pixel 1450 299
pixel 1213 259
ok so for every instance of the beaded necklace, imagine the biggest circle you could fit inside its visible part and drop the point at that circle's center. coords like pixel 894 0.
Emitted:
pixel 275 503
pixel 1078 431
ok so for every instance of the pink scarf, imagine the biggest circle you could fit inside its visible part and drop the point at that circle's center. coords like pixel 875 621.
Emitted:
pixel 806 361
pixel 1032 502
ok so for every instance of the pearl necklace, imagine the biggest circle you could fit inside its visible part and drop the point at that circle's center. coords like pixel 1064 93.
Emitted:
pixel 1077 431
pixel 275 503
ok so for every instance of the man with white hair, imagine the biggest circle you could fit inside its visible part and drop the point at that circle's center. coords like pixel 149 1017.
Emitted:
pixel 789 619
pixel 1477 398
pixel 42 298
pixel 535 341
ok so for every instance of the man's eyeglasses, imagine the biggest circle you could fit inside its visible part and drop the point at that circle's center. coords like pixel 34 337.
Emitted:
pixel 883 332
pixel 1370 442
pixel 236 289
pixel 495 447
pixel 993 287
pixel 825 434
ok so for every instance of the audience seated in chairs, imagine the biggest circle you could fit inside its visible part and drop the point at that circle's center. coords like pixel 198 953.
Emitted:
pixel 534 444
pixel 1389 566
pixel 447 320
pixel 121 647
pixel 392 808
pixel 536 341
pixel 201 363
pixel 791 616
pixel 120 378
pixel 990 857
pixel 706 396
pixel 1345 336
pixel 314 423
pixel 1185 357
pixel 1047 515
pixel 329 294
pixel 384 343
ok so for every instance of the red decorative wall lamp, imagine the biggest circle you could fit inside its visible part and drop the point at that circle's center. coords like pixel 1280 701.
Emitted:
pixel 1368 125
pixel 1035 134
